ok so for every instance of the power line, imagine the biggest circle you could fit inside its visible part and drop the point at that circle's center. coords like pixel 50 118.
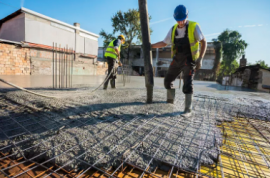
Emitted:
pixel 9 5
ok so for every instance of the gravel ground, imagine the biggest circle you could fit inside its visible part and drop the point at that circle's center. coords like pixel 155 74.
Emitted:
pixel 80 129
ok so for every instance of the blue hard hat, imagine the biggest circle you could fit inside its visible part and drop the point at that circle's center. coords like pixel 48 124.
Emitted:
pixel 180 13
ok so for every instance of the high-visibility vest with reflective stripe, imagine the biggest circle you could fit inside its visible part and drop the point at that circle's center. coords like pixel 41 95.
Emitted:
pixel 110 52
pixel 194 46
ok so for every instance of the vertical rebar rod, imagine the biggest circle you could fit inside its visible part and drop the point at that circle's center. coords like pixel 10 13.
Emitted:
pixel 68 68
pixel 63 65
pixel 66 64
pixel 72 59
pixel 59 66
pixel 56 66
pixel 63 69
pixel 53 65
pixel 69 56
pixel 62 61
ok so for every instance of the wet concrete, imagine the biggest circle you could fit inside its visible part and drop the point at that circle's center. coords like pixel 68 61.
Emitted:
pixel 135 82
pixel 106 127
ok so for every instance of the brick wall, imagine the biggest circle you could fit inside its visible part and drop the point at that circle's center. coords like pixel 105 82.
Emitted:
pixel 41 62
pixel 102 67
pixel 14 60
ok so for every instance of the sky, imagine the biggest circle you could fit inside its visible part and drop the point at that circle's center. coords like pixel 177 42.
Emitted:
pixel 251 18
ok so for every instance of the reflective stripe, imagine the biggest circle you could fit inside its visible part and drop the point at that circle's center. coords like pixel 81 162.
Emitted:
pixel 193 44
pixel 173 51
pixel 111 52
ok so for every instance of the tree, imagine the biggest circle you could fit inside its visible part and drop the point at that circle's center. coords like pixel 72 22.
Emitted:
pixel 227 70
pixel 218 56
pixel 262 64
pixel 232 48
pixel 128 24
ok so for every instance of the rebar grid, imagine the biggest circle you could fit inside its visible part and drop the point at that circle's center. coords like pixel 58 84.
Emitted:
pixel 245 151
pixel 37 144
pixel 242 144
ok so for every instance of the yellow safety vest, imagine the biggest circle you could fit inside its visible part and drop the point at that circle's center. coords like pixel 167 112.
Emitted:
pixel 110 52
pixel 194 46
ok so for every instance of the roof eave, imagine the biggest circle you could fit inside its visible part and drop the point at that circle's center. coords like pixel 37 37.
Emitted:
pixel 10 16
pixel 25 10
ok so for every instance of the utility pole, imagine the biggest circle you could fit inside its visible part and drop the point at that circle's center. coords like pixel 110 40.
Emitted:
pixel 147 52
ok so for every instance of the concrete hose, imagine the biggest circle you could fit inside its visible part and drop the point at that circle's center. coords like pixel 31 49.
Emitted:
pixel 108 76
pixel 46 96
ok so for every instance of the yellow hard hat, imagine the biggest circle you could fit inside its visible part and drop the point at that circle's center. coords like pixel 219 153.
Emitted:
pixel 123 37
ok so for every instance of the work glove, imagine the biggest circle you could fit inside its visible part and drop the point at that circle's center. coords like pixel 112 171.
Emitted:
pixel 198 63
pixel 120 64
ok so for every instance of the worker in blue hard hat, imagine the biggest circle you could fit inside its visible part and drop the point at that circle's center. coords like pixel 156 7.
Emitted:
pixel 185 37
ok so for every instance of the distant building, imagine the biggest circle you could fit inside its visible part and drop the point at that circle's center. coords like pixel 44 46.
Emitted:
pixel 29 26
pixel 254 77
pixel 162 60
pixel 37 32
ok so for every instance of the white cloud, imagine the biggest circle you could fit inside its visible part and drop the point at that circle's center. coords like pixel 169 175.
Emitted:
pixel 260 25
pixel 240 26
pixel 249 26
pixel 163 20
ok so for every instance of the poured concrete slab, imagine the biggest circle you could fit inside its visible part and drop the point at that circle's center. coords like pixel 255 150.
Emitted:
pixel 81 129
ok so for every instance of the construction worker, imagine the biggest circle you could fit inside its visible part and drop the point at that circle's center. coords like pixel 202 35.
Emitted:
pixel 184 38
pixel 112 55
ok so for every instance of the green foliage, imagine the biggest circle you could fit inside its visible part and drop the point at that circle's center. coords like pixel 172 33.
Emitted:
pixel 107 37
pixel 233 46
pixel 262 64
pixel 128 24
pixel 227 70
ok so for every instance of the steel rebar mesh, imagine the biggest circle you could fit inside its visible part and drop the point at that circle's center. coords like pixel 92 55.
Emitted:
pixel 107 130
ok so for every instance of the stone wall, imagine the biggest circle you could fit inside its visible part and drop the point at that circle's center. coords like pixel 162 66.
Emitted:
pixel 264 80
pixel 14 60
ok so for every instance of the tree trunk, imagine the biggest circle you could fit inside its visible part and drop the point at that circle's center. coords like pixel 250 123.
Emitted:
pixel 218 52
pixel 147 52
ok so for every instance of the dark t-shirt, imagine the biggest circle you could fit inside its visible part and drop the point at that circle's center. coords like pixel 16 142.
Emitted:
pixel 116 43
